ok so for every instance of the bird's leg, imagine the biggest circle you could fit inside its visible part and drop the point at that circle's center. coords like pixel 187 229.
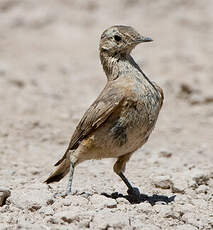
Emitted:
pixel 119 168
pixel 131 190
pixel 69 185
pixel 125 180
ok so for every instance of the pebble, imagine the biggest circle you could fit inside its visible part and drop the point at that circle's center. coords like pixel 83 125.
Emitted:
pixel 179 185
pixel 3 226
pixel 122 200
pixel 149 227
pixel 46 210
pixel 202 189
pixel 4 194
pixel 31 198
pixel 75 200
pixel 195 99
pixel 165 153
pixel 185 227
pixel 105 220
pixel 163 210
pixel 186 88
pixel 100 202
pixel 194 219
pixel 163 182
pixel 197 177
pixel 145 208
pixel 74 215
pixel 184 208
pixel 201 203
pixel 3 69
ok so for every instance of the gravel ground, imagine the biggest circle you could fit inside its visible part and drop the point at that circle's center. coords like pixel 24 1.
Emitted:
pixel 50 73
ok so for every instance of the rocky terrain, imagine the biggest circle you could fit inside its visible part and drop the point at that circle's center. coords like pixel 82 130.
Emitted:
pixel 50 73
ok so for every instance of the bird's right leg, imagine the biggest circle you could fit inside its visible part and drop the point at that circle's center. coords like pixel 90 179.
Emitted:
pixel 119 168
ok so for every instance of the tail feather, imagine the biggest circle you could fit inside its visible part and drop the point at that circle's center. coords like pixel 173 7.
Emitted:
pixel 59 162
pixel 60 172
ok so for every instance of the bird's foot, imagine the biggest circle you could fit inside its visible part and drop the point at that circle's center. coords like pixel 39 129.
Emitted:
pixel 61 195
pixel 135 194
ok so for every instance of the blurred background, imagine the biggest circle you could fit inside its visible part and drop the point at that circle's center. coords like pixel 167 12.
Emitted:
pixel 50 73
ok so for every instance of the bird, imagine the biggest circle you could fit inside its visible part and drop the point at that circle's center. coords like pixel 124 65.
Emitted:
pixel 122 117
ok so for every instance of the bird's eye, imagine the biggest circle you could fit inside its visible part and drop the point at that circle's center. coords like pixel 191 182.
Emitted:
pixel 117 38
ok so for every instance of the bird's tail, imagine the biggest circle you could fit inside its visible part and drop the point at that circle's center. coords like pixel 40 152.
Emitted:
pixel 60 172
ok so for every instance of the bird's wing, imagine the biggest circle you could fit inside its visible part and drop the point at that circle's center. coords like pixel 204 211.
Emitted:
pixel 108 101
pixel 160 92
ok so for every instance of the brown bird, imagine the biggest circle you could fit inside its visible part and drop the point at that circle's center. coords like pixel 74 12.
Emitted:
pixel 124 114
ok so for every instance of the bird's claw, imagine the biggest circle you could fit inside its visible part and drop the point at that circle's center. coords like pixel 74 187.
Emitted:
pixel 134 193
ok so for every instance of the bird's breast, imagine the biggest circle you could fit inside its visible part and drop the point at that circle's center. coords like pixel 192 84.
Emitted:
pixel 131 129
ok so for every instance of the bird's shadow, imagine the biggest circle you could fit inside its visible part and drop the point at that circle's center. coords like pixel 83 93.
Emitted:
pixel 142 198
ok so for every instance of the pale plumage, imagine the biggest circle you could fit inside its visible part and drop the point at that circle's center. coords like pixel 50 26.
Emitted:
pixel 122 117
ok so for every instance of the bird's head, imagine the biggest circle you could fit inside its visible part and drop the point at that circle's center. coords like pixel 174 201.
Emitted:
pixel 120 40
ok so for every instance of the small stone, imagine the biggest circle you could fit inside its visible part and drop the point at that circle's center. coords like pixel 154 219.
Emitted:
pixel 197 220
pixel 34 171
pixel 46 211
pixel 208 98
pixel 185 227
pixel 185 88
pixel 150 227
pixel 173 215
pixel 165 153
pixel 3 226
pixel 32 197
pixel 163 210
pixel 25 225
pixel 199 176
pixel 4 194
pixel 202 189
pixel 145 208
pixel 100 201
pixel 75 200
pixel 195 99
pixel 17 82
pixel 184 208
pixel 201 203
pixel 68 216
pixel 179 185
pixel 122 200
pixel 3 69
pixel 210 183
pixel 163 182
pixel 181 199
pixel 75 215
pixel 105 220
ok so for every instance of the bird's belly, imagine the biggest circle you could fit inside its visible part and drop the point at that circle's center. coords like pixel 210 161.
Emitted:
pixel 132 136
pixel 123 132
pixel 122 135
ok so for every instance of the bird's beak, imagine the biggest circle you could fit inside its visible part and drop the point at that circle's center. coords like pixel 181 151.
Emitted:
pixel 143 39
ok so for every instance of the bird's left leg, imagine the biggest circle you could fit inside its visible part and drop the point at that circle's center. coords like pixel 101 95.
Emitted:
pixel 74 160
pixel 119 168
pixel 69 184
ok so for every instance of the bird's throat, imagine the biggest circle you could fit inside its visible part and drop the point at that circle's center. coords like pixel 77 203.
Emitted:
pixel 122 65
pixel 118 65
pixel 110 65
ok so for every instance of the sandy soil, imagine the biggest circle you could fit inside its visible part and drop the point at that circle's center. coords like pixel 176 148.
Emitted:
pixel 50 73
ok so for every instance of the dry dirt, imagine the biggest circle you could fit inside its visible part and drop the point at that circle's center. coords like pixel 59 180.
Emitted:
pixel 50 73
